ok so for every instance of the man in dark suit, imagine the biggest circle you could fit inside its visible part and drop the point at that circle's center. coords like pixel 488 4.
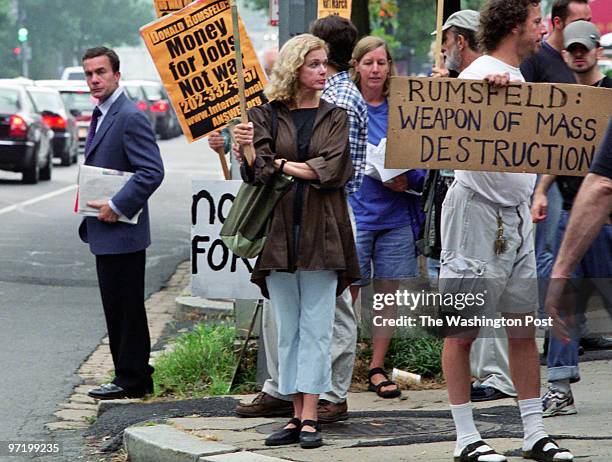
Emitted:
pixel 121 138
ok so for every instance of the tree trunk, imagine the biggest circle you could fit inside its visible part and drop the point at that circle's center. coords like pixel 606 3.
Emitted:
pixel 360 16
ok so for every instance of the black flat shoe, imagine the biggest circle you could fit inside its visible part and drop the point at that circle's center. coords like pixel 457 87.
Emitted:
pixel 286 435
pixel 310 440
pixel 113 391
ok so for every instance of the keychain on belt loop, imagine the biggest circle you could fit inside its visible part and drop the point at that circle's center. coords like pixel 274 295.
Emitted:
pixel 501 243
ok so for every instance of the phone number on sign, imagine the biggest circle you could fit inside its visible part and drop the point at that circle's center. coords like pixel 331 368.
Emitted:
pixel 8 448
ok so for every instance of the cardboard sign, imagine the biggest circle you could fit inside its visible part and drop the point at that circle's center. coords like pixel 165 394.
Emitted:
pixel 164 7
pixel 193 50
pixel 215 271
pixel 470 125
pixel 339 7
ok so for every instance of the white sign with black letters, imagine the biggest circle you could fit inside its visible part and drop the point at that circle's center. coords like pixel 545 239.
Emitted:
pixel 215 271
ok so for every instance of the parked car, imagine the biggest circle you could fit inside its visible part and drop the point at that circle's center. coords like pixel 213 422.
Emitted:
pixel 134 91
pixel 73 73
pixel 65 142
pixel 79 103
pixel 166 122
pixel 25 140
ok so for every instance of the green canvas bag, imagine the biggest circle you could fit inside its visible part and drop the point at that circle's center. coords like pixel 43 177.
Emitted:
pixel 246 227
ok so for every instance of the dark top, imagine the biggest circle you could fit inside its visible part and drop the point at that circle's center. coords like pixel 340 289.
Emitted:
pixel 548 66
pixel 569 185
pixel 303 120
pixel 603 159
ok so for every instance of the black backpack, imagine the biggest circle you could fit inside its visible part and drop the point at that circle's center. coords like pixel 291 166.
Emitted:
pixel 434 192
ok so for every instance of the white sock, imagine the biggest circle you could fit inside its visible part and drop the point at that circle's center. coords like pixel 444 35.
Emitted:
pixel 464 424
pixel 562 385
pixel 531 414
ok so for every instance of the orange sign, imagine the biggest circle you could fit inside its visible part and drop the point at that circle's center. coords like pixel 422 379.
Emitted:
pixel 164 7
pixel 193 50
pixel 339 7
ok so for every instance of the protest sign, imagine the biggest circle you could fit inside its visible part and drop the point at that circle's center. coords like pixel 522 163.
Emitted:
pixel 164 7
pixel 470 125
pixel 193 50
pixel 215 271
pixel 339 7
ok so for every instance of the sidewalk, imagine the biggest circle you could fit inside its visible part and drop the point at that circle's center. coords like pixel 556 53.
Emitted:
pixel 418 428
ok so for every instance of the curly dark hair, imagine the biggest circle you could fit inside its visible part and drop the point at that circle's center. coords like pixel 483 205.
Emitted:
pixel 340 34
pixel 498 18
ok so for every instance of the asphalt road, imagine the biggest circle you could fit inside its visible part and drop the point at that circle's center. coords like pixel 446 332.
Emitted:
pixel 50 311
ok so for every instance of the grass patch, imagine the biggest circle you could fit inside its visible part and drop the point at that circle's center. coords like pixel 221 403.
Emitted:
pixel 419 355
pixel 201 363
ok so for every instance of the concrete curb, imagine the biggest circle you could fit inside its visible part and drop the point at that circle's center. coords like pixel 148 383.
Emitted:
pixel 163 443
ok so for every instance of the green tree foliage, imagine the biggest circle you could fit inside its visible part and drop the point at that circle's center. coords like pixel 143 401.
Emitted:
pixel 8 41
pixel 60 30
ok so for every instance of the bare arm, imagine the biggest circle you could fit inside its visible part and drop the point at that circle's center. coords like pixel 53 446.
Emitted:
pixel 539 207
pixel 297 169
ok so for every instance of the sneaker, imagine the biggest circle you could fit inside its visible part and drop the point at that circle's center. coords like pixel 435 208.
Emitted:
pixel 556 402
pixel 265 405
pixel 329 412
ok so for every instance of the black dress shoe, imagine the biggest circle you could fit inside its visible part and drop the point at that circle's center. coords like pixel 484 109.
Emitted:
pixel 286 435
pixel 596 343
pixel 113 391
pixel 486 394
pixel 310 440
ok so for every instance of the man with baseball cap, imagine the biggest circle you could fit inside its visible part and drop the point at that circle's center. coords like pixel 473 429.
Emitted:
pixel 459 44
pixel 582 50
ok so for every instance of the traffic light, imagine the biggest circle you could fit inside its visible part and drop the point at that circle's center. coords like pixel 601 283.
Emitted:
pixel 22 34
pixel 16 51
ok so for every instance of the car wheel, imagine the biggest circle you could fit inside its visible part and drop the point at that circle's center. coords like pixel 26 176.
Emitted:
pixel 45 172
pixel 67 158
pixel 31 175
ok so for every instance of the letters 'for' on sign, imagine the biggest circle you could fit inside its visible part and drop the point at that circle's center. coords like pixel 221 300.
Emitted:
pixel 469 125
pixel 193 50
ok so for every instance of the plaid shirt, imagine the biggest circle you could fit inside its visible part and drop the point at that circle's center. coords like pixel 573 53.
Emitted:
pixel 341 91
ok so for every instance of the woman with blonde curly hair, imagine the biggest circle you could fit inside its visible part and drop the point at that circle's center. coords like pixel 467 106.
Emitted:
pixel 309 256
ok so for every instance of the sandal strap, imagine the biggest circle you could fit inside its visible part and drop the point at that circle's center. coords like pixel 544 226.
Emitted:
pixel 295 421
pixel 538 447
pixel 376 370
pixel 385 383
pixel 311 423
pixel 470 452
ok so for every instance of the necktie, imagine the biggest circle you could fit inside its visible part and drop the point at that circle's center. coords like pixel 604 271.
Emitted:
pixel 92 128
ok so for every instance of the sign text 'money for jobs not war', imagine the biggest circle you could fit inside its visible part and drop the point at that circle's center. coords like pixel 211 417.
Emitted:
pixel 471 125
pixel 193 50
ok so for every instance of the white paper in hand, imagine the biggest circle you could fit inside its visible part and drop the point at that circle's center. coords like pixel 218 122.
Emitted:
pixel 101 184
pixel 375 163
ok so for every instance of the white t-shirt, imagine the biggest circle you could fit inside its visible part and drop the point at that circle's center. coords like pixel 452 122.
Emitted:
pixel 507 189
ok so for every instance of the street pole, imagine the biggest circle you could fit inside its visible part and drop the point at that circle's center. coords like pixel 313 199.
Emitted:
pixel 26 55
pixel 295 17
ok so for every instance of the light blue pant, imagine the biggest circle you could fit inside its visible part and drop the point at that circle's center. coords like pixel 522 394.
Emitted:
pixel 303 303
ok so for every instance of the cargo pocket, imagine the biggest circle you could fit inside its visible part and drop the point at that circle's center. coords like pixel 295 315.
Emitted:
pixel 461 274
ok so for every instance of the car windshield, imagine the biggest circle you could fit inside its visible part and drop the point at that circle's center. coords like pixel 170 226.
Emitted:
pixel 133 92
pixel 9 100
pixel 47 101
pixel 153 92
pixel 76 76
pixel 80 100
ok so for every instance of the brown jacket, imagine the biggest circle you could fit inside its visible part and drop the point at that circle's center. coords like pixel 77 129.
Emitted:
pixel 326 236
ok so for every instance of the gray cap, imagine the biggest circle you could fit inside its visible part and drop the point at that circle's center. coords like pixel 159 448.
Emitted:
pixel 582 32
pixel 466 19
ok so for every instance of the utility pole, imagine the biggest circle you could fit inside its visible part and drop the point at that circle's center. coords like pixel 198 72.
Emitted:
pixel 295 17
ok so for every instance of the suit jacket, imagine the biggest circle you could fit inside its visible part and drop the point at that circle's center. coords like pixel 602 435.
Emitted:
pixel 124 141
